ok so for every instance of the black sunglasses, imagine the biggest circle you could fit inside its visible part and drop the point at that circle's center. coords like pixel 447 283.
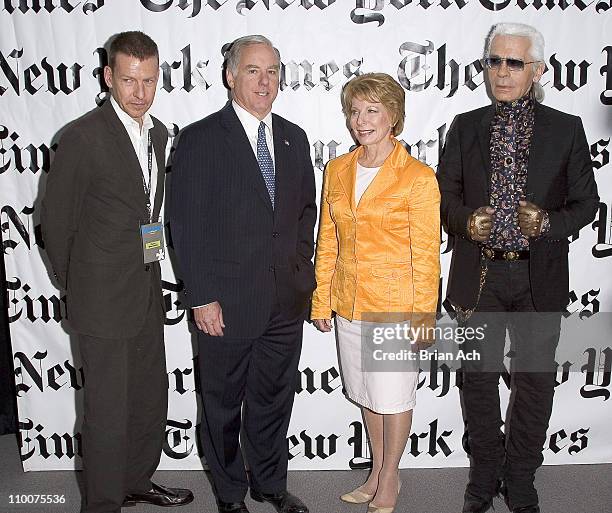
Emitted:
pixel 513 64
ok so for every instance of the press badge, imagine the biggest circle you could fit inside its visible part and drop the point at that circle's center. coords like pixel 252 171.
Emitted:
pixel 153 247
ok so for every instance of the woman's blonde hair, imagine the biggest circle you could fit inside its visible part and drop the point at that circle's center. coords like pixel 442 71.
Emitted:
pixel 380 88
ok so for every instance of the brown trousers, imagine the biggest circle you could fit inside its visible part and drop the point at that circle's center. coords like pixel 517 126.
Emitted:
pixel 125 409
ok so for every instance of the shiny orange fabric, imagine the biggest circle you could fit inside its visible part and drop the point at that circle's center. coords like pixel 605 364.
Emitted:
pixel 382 255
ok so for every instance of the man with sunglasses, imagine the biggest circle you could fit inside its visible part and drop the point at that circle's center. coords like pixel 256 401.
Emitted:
pixel 516 180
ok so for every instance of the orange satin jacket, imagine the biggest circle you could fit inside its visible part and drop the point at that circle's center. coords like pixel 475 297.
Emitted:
pixel 382 255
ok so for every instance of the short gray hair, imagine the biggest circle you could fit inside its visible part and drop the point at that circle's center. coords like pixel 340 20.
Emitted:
pixel 232 56
pixel 536 47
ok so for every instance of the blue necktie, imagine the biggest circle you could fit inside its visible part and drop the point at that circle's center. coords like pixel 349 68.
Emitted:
pixel 265 160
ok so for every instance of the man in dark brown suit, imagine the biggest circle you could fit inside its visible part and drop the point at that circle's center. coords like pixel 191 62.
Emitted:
pixel 104 190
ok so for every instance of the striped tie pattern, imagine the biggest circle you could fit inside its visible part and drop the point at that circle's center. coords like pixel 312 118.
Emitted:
pixel 265 160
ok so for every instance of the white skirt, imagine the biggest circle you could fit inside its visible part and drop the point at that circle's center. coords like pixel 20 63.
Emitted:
pixel 382 391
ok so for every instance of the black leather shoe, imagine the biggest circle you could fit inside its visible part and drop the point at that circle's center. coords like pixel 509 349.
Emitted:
pixel 232 507
pixel 534 508
pixel 283 502
pixel 160 496
pixel 476 505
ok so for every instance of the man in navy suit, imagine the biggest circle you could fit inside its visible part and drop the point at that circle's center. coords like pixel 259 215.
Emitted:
pixel 242 215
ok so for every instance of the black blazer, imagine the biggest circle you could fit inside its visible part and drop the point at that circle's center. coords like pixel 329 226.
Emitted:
pixel 560 178
pixel 231 246
pixel 91 214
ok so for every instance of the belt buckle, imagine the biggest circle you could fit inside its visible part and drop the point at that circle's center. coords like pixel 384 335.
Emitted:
pixel 511 255
pixel 489 253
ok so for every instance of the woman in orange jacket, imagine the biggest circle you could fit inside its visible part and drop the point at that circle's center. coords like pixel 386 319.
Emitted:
pixel 378 257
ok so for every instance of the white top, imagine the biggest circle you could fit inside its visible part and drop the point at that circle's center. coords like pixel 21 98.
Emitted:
pixel 364 177
pixel 140 139
pixel 251 126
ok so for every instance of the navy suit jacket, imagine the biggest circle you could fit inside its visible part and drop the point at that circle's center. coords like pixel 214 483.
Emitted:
pixel 230 244
pixel 559 178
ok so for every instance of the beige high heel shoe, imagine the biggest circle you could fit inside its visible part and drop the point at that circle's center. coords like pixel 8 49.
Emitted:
pixel 373 508
pixel 356 497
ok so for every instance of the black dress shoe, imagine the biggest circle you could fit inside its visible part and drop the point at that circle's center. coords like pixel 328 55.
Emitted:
pixel 232 507
pixel 534 508
pixel 283 502
pixel 160 496
pixel 476 505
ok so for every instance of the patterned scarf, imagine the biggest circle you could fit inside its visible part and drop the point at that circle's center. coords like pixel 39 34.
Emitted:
pixel 511 131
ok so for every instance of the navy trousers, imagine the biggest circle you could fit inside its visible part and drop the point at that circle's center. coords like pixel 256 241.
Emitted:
pixel 248 387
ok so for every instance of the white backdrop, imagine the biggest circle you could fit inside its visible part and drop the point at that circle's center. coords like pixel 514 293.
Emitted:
pixel 50 73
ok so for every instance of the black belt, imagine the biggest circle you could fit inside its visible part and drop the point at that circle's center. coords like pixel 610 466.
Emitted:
pixel 500 254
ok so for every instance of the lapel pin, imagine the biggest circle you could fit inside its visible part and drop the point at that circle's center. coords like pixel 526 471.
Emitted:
pixel 286 142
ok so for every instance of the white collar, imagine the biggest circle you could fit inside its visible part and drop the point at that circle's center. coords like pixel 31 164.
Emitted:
pixel 129 122
pixel 250 122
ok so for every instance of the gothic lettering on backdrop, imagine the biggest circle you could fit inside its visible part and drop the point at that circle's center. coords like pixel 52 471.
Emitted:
pixel 324 152
pixel 173 303
pixel 35 440
pixel 600 153
pixel 312 446
pixel 311 381
pixel 36 371
pixel 23 231
pixel 606 71
pixel 294 75
pixel 49 6
pixel 98 74
pixel 180 73
pixel 597 370
pixel 603 225
pixel 433 441
pixel 179 442
pixel 27 304
pixel 438 378
pixel 181 381
pixel 414 70
pixel 15 154
pixel 44 86
pixel 371 11
pixel 586 306
pixel 66 78
pixel 194 7
pixel 55 78
pixel 573 444
pixel 413 73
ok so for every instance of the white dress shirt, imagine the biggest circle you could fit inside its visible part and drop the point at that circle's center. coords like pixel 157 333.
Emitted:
pixel 139 139
pixel 251 126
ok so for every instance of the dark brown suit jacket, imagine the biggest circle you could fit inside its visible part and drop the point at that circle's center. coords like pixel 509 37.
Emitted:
pixel 91 215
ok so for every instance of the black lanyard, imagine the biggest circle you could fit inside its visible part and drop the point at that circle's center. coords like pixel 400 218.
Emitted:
pixel 147 187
